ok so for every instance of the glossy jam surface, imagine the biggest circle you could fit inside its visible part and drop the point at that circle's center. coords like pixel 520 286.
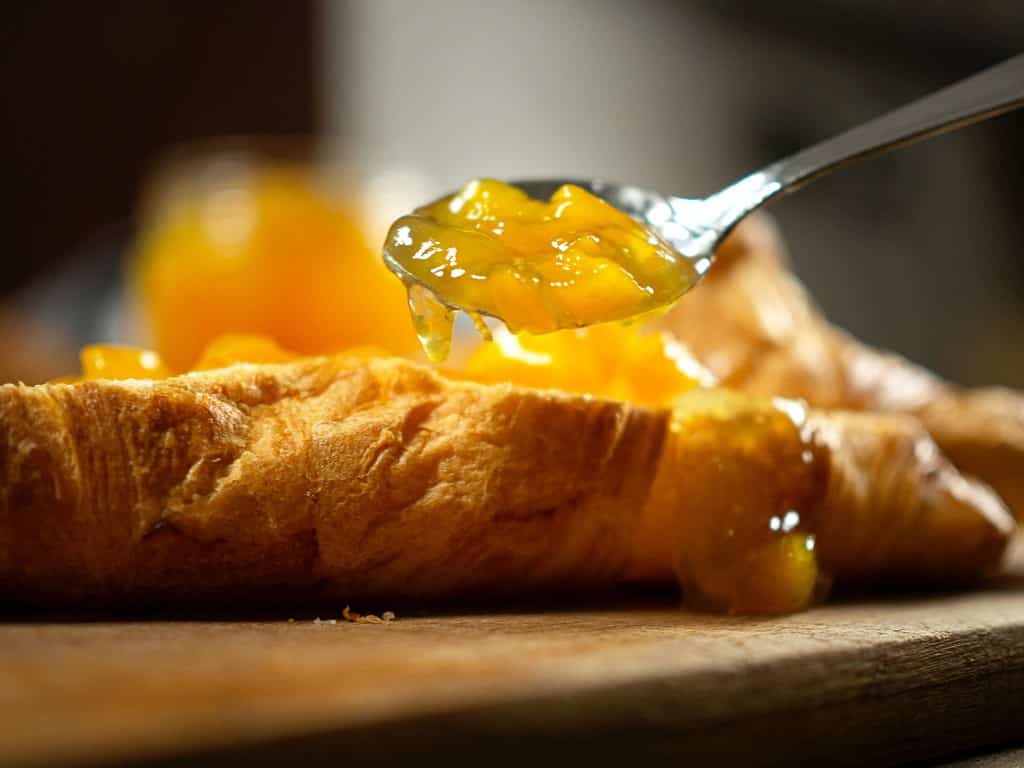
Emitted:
pixel 114 362
pixel 102 361
pixel 744 480
pixel 607 360
pixel 264 251
pixel 241 348
pixel 117 362
pixel 539 266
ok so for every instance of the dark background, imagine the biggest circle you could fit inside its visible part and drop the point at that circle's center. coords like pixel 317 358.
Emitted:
pixel 92 92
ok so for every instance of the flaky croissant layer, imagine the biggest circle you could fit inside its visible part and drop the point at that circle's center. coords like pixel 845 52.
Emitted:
pixel 370 478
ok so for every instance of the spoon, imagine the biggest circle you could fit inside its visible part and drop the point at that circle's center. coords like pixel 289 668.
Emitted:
pixel 695 227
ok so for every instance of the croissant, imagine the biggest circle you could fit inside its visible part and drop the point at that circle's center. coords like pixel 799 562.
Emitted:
pixel 359 478
pixel 752 323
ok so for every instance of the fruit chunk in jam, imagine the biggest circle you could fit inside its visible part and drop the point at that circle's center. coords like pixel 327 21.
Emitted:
pixel 104 361
pixel 116 362
pixel 234 348
pixel 539 266
pixel 607 360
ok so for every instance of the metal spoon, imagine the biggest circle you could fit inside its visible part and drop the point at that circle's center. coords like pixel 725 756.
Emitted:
pixel 695 227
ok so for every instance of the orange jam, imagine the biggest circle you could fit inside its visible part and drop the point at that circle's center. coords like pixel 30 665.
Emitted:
pixel 104 361
pixel 607 360
pixel 107 361
pixel 264 251
pixel 740 477
pixel 115 362
pixel 234 348
pixel 539 266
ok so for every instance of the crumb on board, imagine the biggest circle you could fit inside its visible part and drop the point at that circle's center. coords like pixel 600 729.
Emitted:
pixel 357 618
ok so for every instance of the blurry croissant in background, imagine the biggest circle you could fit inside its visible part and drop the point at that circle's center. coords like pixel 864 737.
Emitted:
pixel 752 323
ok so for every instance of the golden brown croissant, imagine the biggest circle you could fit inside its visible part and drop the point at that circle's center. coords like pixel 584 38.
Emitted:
pixel 363 478
pixel 752 323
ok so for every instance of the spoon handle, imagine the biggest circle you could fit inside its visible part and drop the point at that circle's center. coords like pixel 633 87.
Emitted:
pixel 990 92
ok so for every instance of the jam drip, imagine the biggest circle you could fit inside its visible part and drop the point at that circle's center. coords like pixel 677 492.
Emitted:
pixel 745 476
pixel 433 322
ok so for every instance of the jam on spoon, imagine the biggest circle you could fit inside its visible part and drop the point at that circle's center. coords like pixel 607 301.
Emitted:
pixel 539 266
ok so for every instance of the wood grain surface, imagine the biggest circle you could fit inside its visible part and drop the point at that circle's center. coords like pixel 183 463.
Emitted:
pixel 857 682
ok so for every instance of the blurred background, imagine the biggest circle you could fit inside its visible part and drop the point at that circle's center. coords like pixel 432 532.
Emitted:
pixel 120 126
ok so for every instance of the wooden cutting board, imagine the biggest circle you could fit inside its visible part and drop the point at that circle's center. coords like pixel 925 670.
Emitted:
pixel 852 683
